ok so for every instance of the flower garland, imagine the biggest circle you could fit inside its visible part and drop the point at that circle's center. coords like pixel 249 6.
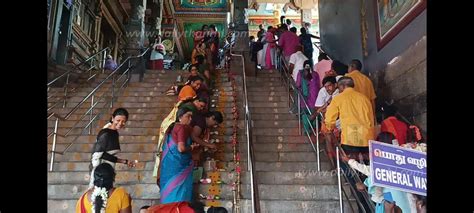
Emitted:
pixel 102 192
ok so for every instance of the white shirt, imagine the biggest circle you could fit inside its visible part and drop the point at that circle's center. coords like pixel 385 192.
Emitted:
pixel 323 97
pixel 155 55
pixel 297 59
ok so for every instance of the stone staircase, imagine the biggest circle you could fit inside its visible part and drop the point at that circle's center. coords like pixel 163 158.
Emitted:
pixel 78 88
pixel 287 176
pixel 147 107
pixel 285 162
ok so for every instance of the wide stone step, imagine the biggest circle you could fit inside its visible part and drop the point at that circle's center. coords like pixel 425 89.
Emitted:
pixel 125 147
pixel 268 93
pixel 266 89
pixel 131 111
pixel 75 166
pixel 86 156
pixel 149 155
pixel 268 104
pixel 150 131
pixel 155 123
pixel 148 165
pixel 158 74
pixel 139 112
pixel 275 124
pixel 124 139
pixel 141 165
pixel 271 110
pixel 160 93
pixel 151 104
pixel 296 166
pixel 263 79
pixel 283 116
pixel 304 177
pixel 276 131
pixel 69 205
pixel 130 177
pixel 283 206
pixel 298 192
pixel 85 92
pixel 261 98
pixel 133 139
pixel 275 83
pixel 225 190
pixel 171 79
pixel 281 147
pixel 281 139
pixel 283 156
pixel 159 87
pixel 150 122
pixel 97 128
pixel 143 191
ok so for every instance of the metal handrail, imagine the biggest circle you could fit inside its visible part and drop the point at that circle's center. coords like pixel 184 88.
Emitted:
pixel 77 67
pixel 321 50
pixel 291 84
pixel 94 103
pixel 250 152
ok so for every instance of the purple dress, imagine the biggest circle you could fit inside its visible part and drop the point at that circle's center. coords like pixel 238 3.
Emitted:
pixel 313 87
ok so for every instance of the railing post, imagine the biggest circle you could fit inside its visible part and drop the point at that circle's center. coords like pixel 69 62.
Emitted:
pixel 91 65
pixel 289 95
pixel 317 143
pixel 53 149
pixel 339 180
pixel 129 70
pixel 104 57
pixel 91 112
pixel 113 92
pixel 65 90
pixel 299 115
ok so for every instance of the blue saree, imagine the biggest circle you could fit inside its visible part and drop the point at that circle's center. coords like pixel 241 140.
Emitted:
pixel 176 178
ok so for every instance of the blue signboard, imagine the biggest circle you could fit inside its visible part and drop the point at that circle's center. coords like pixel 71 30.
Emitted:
pixel 397 167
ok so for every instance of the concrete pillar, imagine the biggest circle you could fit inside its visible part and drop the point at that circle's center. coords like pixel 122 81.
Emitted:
pixel 242 37
pixel 136 30
pixel 98 23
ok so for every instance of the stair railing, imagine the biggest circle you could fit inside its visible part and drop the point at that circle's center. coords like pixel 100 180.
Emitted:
pixel 289 82
pixel 119 77
pixel 248 130
pixel 93 62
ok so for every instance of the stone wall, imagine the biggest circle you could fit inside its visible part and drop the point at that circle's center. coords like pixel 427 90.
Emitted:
pixel 403 80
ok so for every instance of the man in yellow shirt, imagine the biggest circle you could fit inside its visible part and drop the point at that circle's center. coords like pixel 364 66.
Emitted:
pixel 362 83
pixel 356 115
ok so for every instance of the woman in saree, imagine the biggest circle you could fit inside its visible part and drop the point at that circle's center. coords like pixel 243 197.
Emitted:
pixel 269 48
pixel 308 83
pixel 176 176
pixel 189 90
pixel 103 196
pixel 198 50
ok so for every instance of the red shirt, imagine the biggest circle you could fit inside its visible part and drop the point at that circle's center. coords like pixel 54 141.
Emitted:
pixel 396 127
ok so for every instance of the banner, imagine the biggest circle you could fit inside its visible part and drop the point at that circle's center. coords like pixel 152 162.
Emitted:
pixel 398 168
